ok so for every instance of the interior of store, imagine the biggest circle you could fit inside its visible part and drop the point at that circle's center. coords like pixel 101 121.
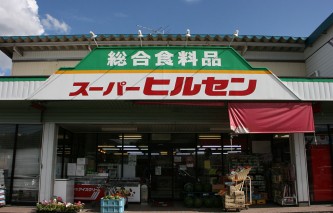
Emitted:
pixel 176 166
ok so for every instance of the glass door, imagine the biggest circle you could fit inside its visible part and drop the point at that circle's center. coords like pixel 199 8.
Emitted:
pixel 161 171
pixel 172 165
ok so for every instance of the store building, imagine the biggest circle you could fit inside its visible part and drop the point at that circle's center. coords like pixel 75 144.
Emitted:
pixel 166 110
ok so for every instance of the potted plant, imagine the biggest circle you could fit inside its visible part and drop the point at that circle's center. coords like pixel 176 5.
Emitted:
pixel 56 205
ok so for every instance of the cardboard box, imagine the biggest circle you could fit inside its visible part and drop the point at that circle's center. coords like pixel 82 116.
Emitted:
pixel 261 201
pixel 82 161
pixel 231 190
pixel 80 173
pixel 239 193
pixel 71 169
pixel 80 170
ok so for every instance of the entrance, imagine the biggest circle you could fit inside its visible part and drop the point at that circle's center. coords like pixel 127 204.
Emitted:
pixel 171 166
pixel 162 171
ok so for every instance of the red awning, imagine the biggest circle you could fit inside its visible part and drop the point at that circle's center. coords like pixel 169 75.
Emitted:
pixel 271 117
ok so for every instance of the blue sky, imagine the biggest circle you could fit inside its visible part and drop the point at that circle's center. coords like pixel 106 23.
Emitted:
pixel 251 17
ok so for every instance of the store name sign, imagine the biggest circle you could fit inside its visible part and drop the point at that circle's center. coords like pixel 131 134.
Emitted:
pixel 163 73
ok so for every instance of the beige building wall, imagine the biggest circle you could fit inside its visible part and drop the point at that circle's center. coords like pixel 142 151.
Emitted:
pixel 283 69
pixel 39 68
pixel 45 62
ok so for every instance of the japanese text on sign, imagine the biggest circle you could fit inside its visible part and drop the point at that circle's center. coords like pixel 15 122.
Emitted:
pixel 164 58
pixel 184 86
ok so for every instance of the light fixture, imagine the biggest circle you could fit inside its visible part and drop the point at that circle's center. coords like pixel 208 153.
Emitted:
pixel 236 33
pixel 140 36
pixel 130 136
pixel 233 36
pixel 210 136
pixel 187 35
pixel 93 37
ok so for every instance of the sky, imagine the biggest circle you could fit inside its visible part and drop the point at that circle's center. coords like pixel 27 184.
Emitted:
pixel 297 18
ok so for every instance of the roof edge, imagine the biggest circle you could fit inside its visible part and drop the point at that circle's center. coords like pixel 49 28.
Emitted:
pixel 322 27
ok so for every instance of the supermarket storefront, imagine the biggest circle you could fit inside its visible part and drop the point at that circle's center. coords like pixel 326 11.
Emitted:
pixel 171 108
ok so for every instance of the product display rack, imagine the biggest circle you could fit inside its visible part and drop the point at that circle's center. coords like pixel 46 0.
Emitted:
pixel 283 184
pixel 257 173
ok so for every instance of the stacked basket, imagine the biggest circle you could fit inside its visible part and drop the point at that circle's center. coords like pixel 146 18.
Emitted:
pixel 112 205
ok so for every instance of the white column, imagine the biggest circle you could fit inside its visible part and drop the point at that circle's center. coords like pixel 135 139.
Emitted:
pixel 48 160
pixel 298 158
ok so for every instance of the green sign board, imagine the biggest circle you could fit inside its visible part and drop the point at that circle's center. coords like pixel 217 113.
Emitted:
pixel 163 58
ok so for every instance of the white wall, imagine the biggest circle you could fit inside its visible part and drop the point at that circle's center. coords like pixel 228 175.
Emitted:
pixel 319 56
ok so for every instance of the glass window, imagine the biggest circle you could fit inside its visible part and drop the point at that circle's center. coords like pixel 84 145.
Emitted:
pixel 7 138
pixel 27 164
pixel 109 156
pixel 135 156
pixel 209 157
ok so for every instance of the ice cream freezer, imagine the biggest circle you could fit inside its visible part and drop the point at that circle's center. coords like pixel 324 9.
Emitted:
pixel 93 188
pixel 64 188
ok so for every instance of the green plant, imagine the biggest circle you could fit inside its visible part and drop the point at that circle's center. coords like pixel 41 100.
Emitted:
pixel 115 196
pixel 56 205
pixel 120 192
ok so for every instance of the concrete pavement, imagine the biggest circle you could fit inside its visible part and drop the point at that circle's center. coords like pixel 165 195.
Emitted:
pixel 138 208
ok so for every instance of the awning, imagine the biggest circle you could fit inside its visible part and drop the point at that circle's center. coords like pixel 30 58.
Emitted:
pixel 271 117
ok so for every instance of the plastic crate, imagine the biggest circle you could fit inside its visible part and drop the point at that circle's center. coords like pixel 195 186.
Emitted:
pixel 109 209
pixel 112 205
pixel 113 202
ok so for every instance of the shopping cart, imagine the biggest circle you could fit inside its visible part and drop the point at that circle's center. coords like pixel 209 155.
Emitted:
pixel 241 189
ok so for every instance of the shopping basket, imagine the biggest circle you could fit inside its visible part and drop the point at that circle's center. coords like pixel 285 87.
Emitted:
pixel 239 176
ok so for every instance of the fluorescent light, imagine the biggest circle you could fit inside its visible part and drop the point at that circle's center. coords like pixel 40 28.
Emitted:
pixel 211 146
pixel 131 136
pixel 135 153
pixel 210 136
pixel 130 149
pixel 105 146
pixel 183 153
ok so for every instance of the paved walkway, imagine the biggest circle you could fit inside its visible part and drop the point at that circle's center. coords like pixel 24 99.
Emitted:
pixel 137 208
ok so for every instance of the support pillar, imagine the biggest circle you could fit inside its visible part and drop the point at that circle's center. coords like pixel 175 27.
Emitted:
pixel 48 161
pixel 298 158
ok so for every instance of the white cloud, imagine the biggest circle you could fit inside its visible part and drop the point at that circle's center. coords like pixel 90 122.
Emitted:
pixel 53 24
pixel 19 18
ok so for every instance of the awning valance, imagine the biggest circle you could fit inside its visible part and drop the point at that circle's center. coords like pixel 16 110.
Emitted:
pixel 271 117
